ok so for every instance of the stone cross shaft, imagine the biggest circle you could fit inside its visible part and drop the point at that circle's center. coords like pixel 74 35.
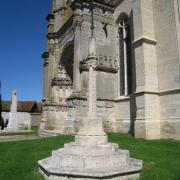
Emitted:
pixel 91 62
pixel 92 92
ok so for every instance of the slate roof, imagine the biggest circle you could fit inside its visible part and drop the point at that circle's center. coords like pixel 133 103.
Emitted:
pixel 23 106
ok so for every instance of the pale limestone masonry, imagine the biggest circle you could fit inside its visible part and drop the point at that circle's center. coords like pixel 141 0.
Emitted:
pixel 143 98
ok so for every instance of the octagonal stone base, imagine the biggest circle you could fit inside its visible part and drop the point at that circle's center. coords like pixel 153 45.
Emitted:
pixel 73 177
pixel 90 157
pixel 82 162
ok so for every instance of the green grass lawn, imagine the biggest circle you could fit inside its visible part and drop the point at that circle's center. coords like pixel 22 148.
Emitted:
pixel 33 130
pixel 18 160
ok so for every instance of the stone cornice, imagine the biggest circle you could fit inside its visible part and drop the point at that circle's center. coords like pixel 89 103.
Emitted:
pixel 144 39
pixel 128 98
pixel 159 93
pixel 61 82
pixel 110 3
pixel 81 4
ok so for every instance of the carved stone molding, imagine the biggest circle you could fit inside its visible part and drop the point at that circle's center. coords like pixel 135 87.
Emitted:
pixel 52 36
pixel 61 11
pixel 81 4
pixel 55 107
pixel 62 82
pixel 103 63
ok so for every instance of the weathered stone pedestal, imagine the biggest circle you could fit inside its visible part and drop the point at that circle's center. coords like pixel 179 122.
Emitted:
pixel 90 157
pixel 13 122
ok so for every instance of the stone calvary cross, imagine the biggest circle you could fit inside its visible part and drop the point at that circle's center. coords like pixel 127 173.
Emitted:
pixel 90 157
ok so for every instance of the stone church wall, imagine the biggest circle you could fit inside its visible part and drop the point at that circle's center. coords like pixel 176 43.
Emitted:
pixel 168 66
pixel 105 48
pixel 167 48
pixel 151 109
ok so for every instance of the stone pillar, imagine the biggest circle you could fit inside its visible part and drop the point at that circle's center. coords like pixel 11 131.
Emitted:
pixel 147 124
pixel 77 52
pixel 45 56
pixel 92 92
pixel 91 63
pixel 56 57
pixel 55 61
pixel 51 73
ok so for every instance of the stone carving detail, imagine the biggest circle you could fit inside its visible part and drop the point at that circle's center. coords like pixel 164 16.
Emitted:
pixel 61 11
pixel 104 63
pixel 61 85
pixel 99 12
pixel 61 79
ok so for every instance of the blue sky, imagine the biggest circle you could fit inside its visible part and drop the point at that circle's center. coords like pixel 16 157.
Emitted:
pixel 23 30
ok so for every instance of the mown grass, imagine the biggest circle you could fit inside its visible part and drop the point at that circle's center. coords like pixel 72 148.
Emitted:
pixel 33 130
pixel 18 160
pixel 161 158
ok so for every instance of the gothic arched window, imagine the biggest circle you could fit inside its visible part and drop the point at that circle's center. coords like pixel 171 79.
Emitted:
pixel 125 71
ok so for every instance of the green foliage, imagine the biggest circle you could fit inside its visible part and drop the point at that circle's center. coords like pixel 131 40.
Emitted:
pixel 161 158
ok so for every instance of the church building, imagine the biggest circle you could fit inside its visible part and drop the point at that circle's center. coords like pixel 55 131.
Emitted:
pixel 137 66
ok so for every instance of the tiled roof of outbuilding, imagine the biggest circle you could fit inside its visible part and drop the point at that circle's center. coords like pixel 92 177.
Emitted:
pixel 23 106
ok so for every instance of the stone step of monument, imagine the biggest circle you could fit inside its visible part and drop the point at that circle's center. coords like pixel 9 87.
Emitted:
pixel 131 170
pixel 105 149
pixel 65 160
pixel 48 134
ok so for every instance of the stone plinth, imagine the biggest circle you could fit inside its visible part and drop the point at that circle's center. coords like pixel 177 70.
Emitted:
pixel 90 157
pixel 13 122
